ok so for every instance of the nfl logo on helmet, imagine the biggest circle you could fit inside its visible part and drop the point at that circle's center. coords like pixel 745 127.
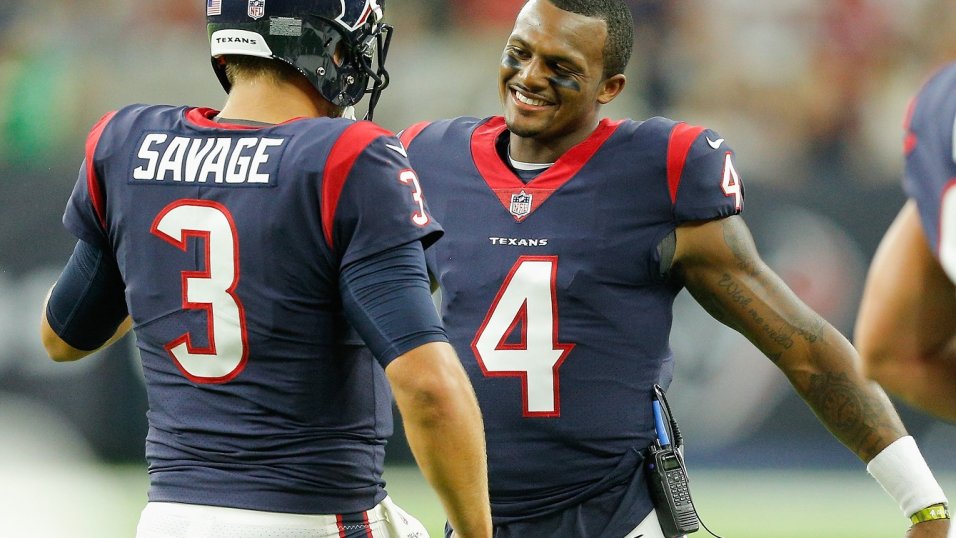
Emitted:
pixel 520 204
pixel 257 8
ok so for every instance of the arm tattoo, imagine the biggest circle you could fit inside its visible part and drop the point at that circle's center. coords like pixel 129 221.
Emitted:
pixel 854 416
pixel 858 417
pixel 780 331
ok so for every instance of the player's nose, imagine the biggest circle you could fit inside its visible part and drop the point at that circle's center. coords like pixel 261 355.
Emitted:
pixel 533 74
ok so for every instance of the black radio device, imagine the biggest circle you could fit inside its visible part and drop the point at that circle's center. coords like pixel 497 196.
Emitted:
pixel 667 475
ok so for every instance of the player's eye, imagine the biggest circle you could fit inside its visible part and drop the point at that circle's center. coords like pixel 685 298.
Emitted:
pixel 564 70
pixel 518 52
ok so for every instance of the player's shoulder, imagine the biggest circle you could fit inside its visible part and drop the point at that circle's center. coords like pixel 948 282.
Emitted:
pixel 676 141
pixel 134 113
pixel 112 130
pixel 936 97
pixel 424 132
pixel 940 83
pixel 143 113
pixel 326 127
pixel 357 135
pixel 339 138
pixel 669 129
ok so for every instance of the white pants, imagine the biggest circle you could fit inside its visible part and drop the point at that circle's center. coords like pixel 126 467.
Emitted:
pixel 649 528
pixel 176 520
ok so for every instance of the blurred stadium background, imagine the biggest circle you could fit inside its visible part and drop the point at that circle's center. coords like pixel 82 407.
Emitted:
pixel 811 95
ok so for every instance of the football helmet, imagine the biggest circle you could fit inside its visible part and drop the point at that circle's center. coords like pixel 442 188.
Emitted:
pixel 339 45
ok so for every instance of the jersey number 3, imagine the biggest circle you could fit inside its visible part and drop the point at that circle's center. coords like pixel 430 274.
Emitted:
pixel 519 336
pixel 212 290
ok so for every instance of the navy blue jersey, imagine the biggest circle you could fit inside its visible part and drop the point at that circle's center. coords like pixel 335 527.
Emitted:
pixel 930 173
pixel 554 297
pixel 230 242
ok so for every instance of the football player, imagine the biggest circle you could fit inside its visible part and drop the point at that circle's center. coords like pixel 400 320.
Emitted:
pixel 269 258
pixel 906 329
pixel 568 237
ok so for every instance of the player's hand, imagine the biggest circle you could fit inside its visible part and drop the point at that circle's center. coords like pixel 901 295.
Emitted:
pixel 929 529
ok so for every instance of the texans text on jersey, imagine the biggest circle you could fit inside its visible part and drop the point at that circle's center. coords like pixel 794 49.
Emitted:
pixel 220 160
pixel 518 242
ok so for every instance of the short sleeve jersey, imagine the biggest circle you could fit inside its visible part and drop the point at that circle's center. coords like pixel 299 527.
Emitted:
pixel 930 172
pixel 553 294
pixel 230 241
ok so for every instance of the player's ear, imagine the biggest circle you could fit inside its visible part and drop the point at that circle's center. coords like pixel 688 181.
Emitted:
pixel 610 88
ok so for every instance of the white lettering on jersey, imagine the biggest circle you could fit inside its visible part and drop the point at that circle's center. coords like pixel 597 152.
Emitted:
pixel 228 161
pixel 730 182
pixel 527 307
pixel 148 171
pixel 518 242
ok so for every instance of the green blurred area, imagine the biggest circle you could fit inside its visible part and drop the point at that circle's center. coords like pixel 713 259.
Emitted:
pixel 95 501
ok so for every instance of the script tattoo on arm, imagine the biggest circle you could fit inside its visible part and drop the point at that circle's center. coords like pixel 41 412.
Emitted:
pixel 740 291
pixel 849 406
pixel 782 331
pixel 727 277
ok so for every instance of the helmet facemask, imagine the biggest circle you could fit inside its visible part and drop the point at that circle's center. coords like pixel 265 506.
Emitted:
pixel 339 63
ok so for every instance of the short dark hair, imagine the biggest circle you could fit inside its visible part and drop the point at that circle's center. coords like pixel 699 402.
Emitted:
pixel 240 66
pixel 620 29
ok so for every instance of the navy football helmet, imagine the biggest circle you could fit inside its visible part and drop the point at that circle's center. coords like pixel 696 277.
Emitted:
pixel 332 42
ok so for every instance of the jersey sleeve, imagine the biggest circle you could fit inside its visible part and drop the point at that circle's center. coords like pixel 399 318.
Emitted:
pixel 930 160
pixel 702 177
pixel 85 214
pixel 379 203
pixel 387 300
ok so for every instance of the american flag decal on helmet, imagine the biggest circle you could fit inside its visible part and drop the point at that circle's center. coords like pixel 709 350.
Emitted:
pixel 256 9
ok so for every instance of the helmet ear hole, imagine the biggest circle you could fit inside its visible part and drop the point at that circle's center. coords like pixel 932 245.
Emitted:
pixel 338 55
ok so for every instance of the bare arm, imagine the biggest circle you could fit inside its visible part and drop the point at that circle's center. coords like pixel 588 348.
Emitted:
pixel 445 432
pixel 906 328
pixel 719 264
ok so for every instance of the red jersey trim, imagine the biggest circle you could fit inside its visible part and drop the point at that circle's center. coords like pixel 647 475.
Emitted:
pixel 909 139
pixel 504 183
pixel 93 184
pixel 409 133
pixel 346 150
pixel 681 139
pixel 203 117
pixel 345 528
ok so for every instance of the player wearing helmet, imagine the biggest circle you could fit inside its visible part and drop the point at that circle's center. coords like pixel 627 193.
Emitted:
pixel 333 44
pixel 270 258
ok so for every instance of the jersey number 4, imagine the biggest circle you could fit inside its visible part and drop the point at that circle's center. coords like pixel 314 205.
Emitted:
pixel 519 336
pixel 211 290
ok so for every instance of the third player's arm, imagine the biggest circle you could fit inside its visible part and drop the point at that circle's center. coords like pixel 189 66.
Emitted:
pixel 906 328
pixel 445 432
pixel 718 263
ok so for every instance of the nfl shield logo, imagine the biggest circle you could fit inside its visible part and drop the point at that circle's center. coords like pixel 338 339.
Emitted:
pixel 257 8
pixel 520 204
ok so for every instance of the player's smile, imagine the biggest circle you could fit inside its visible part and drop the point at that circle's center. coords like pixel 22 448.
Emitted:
pixel 529 101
